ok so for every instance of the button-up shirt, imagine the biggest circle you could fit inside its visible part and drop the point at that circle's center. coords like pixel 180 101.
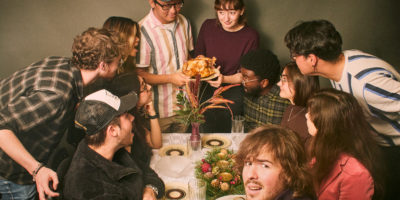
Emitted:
pixel 37 103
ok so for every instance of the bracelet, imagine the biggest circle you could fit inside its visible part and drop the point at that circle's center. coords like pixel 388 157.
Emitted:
pixel 155 190
pixel 34 173
pixel 153 116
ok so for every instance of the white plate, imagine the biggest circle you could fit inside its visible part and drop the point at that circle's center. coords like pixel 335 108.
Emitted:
pixel 215 141
pixel 233 197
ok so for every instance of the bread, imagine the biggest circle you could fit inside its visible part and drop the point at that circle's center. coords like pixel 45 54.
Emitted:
pixel 199 65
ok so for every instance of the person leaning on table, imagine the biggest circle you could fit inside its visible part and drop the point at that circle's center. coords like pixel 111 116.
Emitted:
pixel 37 105
pixel 274 165
pixel 101 167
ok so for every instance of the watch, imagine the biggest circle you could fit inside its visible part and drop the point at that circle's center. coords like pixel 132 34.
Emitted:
pixel 155 190
pixel 153 116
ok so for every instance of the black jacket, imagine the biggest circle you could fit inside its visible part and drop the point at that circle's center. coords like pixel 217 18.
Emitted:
pixel 91 176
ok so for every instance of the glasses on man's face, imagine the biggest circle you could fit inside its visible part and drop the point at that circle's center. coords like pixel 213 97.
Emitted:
pixel 143 87
pixel 246 80
pixel 167 7
pixel 293 56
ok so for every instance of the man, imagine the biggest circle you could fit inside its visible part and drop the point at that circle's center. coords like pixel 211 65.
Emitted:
pixel 37 105
pixel 166 40
pixel 262 103
pixel 101 168
pixel 316 47
pixel 274 165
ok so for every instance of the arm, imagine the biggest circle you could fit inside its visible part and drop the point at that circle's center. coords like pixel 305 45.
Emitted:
pixel 12 146
pixel 154 136
pixel 177 78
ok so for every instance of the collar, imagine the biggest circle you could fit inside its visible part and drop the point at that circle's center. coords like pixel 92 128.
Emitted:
pixel 78 82
pixel 121 166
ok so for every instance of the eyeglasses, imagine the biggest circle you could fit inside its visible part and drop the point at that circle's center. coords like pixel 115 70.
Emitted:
pixel 144 87
pixel 284 78
pixel 245 80
pixel 167 7
pixel 293 56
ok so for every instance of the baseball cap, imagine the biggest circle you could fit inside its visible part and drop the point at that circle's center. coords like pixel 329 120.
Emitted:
pixel 98 109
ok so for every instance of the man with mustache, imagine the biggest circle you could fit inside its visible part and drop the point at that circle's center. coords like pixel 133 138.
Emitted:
pixel 262 104
pixel 274 165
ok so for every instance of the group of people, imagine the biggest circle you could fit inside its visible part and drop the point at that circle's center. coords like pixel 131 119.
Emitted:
pixel 303 142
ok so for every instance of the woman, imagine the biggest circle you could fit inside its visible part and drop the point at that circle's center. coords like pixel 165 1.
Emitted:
pixel 227 38
pixel 345 155
pixel 297 88
pixel 146 126
pixel 129 32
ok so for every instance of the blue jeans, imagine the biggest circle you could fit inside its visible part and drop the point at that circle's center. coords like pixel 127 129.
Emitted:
pixel 12 191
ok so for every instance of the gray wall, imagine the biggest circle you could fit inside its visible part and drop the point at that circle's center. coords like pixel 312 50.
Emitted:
pixel 33 29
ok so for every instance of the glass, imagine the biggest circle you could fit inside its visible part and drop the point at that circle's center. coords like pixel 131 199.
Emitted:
pixel 167 7
pixel 197 189
pixel 194 150
pixel 237 124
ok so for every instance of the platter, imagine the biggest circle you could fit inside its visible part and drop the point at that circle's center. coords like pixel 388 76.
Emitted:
pixel 215 141
pixel 215 75
pixel 173 150
pixel 176 191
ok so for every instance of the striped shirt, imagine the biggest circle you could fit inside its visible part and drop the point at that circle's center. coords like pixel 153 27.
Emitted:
pixel 376 86
pixel 266 109
pixel 37 103
pixel 164 48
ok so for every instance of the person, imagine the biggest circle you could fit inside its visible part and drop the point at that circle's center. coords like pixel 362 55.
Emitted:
pixel 274 165
pixel 146 126
pixel 297 88
pixel 346 157
pixel 262 104
pixel 37 105
pixel 227 38
pixel 316 46
pixel 128 32
pixel 101 168
pixel 166 41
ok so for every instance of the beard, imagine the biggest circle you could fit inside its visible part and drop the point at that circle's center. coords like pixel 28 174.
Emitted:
pixel 255 92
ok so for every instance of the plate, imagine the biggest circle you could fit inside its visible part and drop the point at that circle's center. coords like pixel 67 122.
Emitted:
pixel 173 150
pixel 215 141
pixel 176 191
pixel 233 197
pixel 216 74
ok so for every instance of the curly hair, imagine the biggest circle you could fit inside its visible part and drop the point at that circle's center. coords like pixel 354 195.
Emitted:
pixel 94 46
pixel 286 148
pixel 304 86
pixel 342 128
pixel 317 37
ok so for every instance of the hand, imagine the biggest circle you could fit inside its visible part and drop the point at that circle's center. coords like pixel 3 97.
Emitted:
pixel 43 178
pixel 217 82
pixel 148 194
pixel 149 107
pixel 179 79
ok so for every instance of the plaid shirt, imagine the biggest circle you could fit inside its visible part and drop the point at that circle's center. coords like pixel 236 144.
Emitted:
pixel 266 109
pixel 37 103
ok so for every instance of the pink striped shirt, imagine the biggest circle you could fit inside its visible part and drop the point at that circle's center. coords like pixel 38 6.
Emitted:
pixel 164 48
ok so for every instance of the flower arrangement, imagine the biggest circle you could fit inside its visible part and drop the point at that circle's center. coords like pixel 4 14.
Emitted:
pixel 190 108
pixel 220 173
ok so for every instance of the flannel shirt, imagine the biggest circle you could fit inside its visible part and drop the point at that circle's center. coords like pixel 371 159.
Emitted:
pixel 37 103
pixel 266 109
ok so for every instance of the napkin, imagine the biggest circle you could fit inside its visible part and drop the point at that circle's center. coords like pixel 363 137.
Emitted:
pixel 174 166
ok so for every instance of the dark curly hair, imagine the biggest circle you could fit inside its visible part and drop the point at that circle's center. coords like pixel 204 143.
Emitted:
pixel 94 46
pixel 317 37
pixel 286 148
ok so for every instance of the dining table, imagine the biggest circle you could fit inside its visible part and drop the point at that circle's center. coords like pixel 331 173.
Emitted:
pixel 175 165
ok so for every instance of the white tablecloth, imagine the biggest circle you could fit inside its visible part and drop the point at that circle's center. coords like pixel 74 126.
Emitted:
pixel 181 139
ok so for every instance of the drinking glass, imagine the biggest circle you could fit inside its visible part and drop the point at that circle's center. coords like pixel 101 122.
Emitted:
pixel 197 189
pixel 194 150
pixel 237 124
